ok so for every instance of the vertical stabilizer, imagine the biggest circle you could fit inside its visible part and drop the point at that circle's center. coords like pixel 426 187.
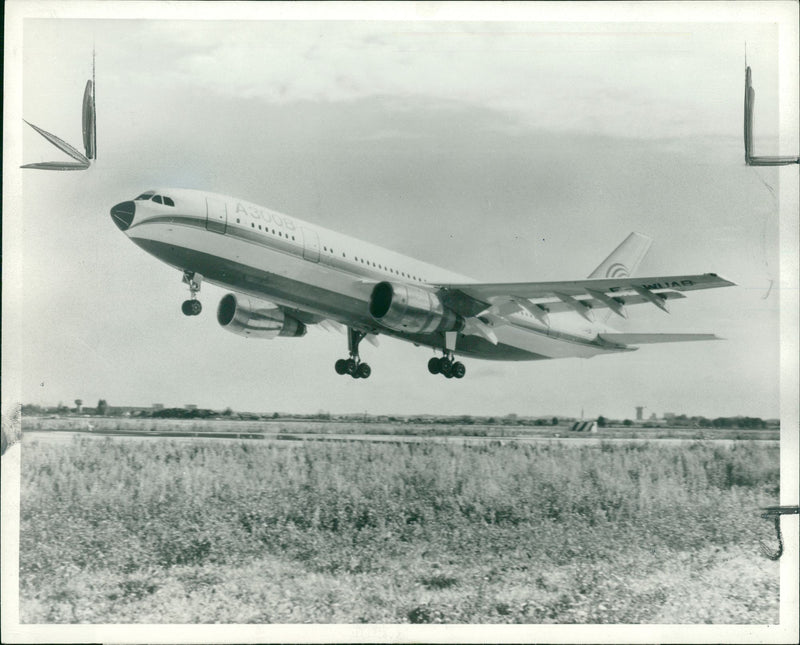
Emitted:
pixel 622 263
pixel 625 259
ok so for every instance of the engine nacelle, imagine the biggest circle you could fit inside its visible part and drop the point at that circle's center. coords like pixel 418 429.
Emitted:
pixel 405 307
pixel 253 318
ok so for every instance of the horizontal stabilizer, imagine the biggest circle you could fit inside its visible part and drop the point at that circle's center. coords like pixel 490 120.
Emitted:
pixel 647 339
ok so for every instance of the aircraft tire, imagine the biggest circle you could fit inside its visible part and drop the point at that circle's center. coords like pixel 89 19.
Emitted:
pixel 351 366
pixel 195 306
pixel 459 370
pixel 434 365
pixel 364 371
pixel 341 366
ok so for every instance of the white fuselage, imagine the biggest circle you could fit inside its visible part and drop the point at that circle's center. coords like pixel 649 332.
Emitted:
pixel 320 274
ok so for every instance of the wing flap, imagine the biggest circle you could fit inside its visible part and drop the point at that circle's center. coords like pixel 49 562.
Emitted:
pixel 557 307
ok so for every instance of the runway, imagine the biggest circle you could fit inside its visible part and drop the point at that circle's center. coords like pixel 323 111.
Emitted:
pixel 298 438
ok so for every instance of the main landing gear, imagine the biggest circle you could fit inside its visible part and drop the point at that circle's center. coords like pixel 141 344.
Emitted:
pixel 192 307
pixel 446 365
pixel 353 365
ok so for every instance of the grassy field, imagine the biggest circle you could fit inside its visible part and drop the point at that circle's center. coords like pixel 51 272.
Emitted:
pixel 234 531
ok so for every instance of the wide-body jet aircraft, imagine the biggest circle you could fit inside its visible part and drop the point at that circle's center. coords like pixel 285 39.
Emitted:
pixel 288 274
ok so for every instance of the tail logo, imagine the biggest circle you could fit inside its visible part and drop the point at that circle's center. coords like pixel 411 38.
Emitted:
pixel 617 270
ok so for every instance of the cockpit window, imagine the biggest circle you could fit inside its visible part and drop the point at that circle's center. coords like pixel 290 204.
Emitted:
pixel 168 201
pixel 146 195
pixel 157 199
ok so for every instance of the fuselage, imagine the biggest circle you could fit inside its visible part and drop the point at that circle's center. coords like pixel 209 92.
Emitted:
pixel 315 273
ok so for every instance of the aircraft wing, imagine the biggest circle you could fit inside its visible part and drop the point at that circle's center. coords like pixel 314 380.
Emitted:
pixel 577 295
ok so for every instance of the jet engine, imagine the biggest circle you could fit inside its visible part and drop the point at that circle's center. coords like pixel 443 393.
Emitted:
pixel 405 307
pixel 253 318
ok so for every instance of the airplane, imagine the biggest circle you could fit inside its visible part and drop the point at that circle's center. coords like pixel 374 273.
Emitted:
pixel 286 274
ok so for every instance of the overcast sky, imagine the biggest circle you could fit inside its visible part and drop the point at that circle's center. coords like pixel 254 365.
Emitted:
pixel 504 150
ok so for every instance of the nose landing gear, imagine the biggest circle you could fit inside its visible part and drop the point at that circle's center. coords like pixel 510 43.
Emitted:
pixel 192 307
pixel 353 365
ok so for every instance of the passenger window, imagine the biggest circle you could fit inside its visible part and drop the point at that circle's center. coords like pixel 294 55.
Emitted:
pixel 253 224
pixel 157 199
pixel 168 201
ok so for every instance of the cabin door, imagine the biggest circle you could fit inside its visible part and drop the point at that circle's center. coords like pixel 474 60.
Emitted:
pixel 216 215
pixel 310 245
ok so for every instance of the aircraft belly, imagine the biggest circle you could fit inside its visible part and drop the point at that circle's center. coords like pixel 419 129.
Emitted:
pixel 257 270
pixel 289 280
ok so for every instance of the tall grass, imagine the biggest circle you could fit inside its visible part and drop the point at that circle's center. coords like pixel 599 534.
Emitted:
pixel 349 509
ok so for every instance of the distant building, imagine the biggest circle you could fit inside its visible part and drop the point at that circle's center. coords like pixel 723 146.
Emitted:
pixel 190 406
pixel 653 417
pixel 584 426
pixel 639 412
pixel 669 416
pixel 157 406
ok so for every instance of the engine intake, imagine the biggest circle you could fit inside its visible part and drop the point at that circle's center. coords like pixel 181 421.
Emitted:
pixel 405 307
pixel 255 318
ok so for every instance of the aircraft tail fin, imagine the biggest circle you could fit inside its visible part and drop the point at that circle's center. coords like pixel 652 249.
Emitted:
pixel 625 259
pixel 622 263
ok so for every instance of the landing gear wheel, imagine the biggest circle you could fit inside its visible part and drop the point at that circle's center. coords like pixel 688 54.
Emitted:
pixel 191 307
pixel 446 368
pixel 194 280
pixel 353 365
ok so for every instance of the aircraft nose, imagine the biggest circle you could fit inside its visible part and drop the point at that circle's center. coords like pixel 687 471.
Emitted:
pixel 122 214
